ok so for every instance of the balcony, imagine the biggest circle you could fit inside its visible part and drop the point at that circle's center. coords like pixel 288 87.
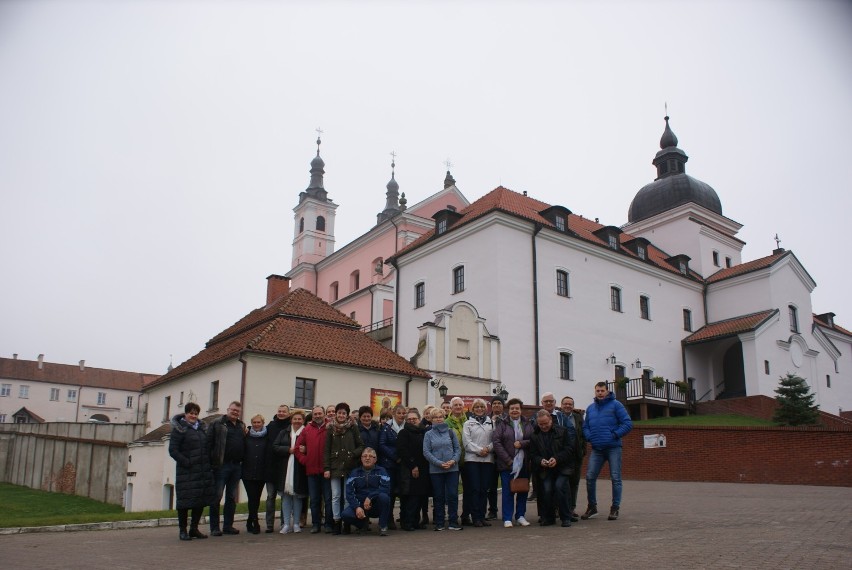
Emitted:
pixel 649 399
pixel 381 331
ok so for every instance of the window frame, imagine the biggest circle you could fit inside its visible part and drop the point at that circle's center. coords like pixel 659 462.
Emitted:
pixel 102 398
pixel 419 294
pixel 645 307
pixel 24 392
pixel 563 283
pixel 54 394
pixel 308 385
pixel 5 390
pixel 566 365
pixel 615 303
pixel 71 395
pixel 458 279
pixel 793 313
pixel 687 320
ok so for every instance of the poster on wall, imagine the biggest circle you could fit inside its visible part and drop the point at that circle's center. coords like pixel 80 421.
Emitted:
pixel 381 399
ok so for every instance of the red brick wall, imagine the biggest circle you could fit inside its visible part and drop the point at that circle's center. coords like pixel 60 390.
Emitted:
pixel 788 456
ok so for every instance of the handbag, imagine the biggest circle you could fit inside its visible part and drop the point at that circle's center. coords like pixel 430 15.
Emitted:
pixel 519 485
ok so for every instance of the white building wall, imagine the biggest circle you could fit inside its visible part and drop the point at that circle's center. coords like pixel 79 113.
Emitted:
pixel 81 409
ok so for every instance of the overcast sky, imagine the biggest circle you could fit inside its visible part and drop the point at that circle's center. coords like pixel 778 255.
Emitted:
pixel 151 152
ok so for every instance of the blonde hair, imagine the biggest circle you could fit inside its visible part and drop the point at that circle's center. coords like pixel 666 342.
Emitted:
pixel 262 419
pixel 437 412
pixel 427 411
pixel 479 402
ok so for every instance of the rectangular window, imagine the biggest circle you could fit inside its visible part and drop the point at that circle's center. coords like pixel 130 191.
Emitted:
pixel 645 307
pixel 613 241
pixel 6 390
pixel 2 418
pixel 101 398
pixel 716 258
pixel 167 407
pixel 442 226
pixel 355 281
pixel 129 404
pixel 640 251
pixel 333 291
pixel 828 380
pixel 766 367
pixel 24 392
pixel 54 394
pixel 72 396
pixel 620 372
pixel 463 348
pixel 458 279
pixel 687 320
pixel 794 319
pixel 728 262
pixel 560 223
pixel 304 393
pixel 565 365
pixel 180 401
pixel 419 295
pixel 562 283
pixel 214 396
pixel 615 299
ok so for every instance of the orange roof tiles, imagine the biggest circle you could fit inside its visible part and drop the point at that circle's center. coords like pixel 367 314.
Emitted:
pixel 729 327
pixel 747 267
pixel 70 374
pixel 835 327
pixel 504 200
pixel 298 325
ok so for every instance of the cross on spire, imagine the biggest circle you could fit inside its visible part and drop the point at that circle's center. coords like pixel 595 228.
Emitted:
pixel 319 137
pixel 777 242
pixel 448 164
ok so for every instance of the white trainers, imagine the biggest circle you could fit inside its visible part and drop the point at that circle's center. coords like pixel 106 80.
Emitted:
pixel 507 524
pixel 297 528
pixel 285 530
pixel 523 522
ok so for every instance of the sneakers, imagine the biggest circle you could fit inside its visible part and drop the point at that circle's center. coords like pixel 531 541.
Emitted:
pixel 523 522
pixel 507 524
pixel 297 528
pixel 454 526
pixel 613 514
pixel 592 511
pixel 285 530
pixel 315 530
pixel 439 528
pixel 383 531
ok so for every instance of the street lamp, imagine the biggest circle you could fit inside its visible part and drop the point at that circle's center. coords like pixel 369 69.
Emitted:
pixel 501 391
pixel 439 384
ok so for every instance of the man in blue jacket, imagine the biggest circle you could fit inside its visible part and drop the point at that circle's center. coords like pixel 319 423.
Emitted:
pixel 368 494
pixel 606 423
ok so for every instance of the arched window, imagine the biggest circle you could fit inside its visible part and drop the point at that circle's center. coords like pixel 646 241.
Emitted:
pixel 333 292
pixel 355 280
pixel 320 224
pixel 301 225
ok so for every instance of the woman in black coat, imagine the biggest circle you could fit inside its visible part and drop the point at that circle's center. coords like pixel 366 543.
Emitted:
pixel 292 481
pixel 254 471
pixel 414 481
pixel 189 446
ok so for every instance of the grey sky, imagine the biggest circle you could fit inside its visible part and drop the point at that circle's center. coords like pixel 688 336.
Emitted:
pixel 151 152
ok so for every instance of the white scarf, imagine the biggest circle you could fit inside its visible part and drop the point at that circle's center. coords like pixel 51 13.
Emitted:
pixel 518 461
pixel 291 463
pixel 394 426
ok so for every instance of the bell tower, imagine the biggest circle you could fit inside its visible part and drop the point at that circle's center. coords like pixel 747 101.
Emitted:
pixel 313 237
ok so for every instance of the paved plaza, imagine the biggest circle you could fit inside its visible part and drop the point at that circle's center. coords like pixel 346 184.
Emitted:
pixel 662 525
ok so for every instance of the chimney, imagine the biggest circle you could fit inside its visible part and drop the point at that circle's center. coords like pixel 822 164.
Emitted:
pixel 276 286
pixel 82 365
pixel 41 361
pixel 15 356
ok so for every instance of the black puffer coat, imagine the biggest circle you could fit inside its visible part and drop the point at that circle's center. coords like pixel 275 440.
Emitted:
pixel 274 462
pixel 190 448
pixel 281 448
pixel 409 451
pixel 257 450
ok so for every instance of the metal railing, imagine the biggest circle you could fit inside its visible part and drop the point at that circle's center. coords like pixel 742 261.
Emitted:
pixel 647 389
pixel 377 325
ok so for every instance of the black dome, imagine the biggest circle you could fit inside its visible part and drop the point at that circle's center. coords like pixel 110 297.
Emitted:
pixel 670 192
pixel 673 187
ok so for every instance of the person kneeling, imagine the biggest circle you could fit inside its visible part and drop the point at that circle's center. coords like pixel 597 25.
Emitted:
pixel 368 494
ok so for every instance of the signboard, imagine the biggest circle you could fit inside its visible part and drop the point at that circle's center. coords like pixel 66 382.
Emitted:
pixel 655 440
pixel 381 399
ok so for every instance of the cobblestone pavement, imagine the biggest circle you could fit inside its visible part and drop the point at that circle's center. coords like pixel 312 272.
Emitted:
pixel 662 525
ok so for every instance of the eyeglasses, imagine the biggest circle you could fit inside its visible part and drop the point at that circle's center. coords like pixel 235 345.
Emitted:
pixel 412 419
pixel 548 401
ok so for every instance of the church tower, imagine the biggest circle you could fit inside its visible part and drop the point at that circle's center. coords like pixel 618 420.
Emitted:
pixel 313 237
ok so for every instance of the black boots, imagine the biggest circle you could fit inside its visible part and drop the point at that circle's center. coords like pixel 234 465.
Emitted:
pixel 184 535
pixel 336 528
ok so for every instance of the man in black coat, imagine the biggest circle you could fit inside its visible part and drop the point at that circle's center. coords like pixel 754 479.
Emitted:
pixel 228 434
pixel 275 465
pixel 552 456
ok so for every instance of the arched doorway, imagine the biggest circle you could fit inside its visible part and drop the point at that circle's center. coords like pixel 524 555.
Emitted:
pixel 99 418
pixel 732 368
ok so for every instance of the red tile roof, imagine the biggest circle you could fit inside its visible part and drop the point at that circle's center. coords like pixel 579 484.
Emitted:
pixel 28 371
pixel 836 327
pixel 298 325
pixel 729 327
pixel 747 267
pixel 504 200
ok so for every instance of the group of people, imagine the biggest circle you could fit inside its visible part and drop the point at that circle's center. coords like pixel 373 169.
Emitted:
pixel 347 468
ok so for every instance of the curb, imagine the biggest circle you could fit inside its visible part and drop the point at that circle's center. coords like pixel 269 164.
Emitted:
pixel 115 525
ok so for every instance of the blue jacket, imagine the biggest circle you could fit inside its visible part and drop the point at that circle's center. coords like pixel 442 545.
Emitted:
pixel 370 437
pixel 362 484
pixel 387 446
pixel 606 423
pixel 439 445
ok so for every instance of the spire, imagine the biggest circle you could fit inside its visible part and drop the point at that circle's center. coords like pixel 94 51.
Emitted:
pixel 316 189
pixel 670 160
pixel 448 179
pixel 392 207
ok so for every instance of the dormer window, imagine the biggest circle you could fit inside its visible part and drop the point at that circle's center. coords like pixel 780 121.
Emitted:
pixel 558 216
pixel 613 241
pixel 442 226
pixel 681 262
pixel 560 223
pixel 683 267
pixel 639 246
pixel 444 219
pixel 640 251
pixel 609 235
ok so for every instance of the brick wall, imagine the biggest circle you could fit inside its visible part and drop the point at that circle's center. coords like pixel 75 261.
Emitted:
pixel 788 456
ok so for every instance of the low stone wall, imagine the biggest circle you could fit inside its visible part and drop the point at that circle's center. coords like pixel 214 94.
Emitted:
pixel 76 458
pixel 775 455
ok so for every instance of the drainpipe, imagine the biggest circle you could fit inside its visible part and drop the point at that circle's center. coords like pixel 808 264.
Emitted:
pixel 408 390
pixel 243 383
pixel 535 313
pixel 395 305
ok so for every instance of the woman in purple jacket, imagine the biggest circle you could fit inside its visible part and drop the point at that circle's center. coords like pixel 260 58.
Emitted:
pixel 511 440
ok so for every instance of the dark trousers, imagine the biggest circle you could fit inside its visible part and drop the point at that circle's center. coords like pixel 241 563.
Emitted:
pixel 479 477
pixel 574 484
pixel 271 495
pixel 466 489
pixel 319 491
pixel 409 510
pixel 253 491
pixel 554 495
pixel 492 494
pixel 393 472
pixel 228 482
pixel 445 487
pixel 183 516
pixel 379 507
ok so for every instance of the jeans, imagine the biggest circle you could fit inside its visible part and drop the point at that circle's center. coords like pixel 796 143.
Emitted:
pixel 271 494
pixel 479 477
pixel 337 497
pixel 445 487
pixel 513 504
pixel 379 507
pixel 596 461
pixel 555 495
pixel 253 491
pixel 291 506
pixel 227 481
pixel 319 490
